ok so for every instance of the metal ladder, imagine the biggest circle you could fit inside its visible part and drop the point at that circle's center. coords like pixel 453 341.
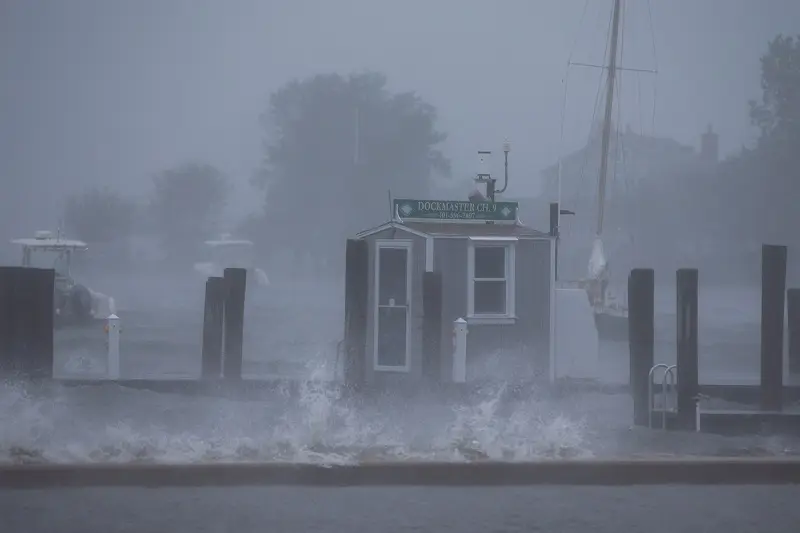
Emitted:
pixel 668 386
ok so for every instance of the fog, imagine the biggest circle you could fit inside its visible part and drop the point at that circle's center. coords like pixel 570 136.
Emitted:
pixel 110 92
pixel 148 127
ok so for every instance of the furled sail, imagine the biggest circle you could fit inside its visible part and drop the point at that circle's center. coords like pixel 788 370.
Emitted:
pixel 598 266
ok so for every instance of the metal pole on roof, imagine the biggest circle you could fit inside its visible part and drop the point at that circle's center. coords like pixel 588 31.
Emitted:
pixel 485 176
pixel 506 149
pixel 357 142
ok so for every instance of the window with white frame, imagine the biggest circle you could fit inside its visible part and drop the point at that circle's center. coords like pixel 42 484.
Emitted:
pixel 491 278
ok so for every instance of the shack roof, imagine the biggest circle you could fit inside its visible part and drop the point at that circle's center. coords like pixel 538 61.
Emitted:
pixel 456 229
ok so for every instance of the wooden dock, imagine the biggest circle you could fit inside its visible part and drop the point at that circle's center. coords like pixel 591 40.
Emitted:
pixel 733 422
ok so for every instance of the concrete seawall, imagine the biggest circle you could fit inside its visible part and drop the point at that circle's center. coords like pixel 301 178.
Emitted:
pixel 749 471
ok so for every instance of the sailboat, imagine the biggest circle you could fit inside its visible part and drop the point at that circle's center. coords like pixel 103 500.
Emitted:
pixel 611 317
pixel 610 314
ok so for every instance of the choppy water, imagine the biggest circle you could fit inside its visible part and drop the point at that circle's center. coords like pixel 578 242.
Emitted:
pixel 108 423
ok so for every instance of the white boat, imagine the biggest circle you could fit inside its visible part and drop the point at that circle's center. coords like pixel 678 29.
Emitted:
pixel 227 252
pixel 73 302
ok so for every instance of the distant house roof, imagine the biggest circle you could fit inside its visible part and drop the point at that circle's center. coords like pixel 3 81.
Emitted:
pixel 641 156
pixel 434 229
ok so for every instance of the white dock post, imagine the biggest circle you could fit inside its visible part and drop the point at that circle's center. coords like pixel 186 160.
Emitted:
pixel 112 328
pixel 460 351
pixel 697 414
pixel 697 410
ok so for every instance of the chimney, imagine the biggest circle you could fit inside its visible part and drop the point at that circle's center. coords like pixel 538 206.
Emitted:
pixel 709 146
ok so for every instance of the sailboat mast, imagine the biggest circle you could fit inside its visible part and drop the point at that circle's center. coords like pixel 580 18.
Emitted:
pixel 612 71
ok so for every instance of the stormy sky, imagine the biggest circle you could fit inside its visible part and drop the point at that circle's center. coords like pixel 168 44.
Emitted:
pixel 112 91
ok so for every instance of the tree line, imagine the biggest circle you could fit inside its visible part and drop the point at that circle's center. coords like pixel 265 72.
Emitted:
pixel 751 197
pixel 335 147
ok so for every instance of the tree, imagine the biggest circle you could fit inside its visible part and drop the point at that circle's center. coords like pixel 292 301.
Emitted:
pixel 99 216
pixel 773 163
pixel 777 115
pixel 335 148
pixel 186 206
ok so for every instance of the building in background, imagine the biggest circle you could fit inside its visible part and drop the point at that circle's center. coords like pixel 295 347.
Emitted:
pixel 643 222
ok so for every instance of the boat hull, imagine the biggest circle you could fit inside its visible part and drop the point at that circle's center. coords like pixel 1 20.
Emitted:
pixel 611 327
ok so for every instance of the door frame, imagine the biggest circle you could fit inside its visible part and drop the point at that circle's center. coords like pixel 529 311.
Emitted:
pixel 408 246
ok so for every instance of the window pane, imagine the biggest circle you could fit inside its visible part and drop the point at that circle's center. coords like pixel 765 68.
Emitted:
pixel 392 272
pixel 490 262
pixel 490 297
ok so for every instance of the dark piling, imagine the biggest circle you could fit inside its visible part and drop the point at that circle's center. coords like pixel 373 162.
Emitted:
pixel 793 319
pixel 213 315
pixel 687 342
pixel 26 322
pixel 773 291
pixel 641 301
pixel 39 359
pixel 235 282
pixel 7 281
pixel 355 311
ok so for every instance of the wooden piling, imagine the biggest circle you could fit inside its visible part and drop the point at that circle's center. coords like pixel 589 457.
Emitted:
pixel 26 322
pixel 687 343
pixel 432 326
pixel 773 293
pixel 235 282
pixel 355 310
pixel 641 338
pixel 7 332
pixel 39 359
pixel 20 313
pixel 213 315
pixel 793 320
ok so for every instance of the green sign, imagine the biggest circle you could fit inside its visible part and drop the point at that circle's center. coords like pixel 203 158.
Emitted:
pixel 455 210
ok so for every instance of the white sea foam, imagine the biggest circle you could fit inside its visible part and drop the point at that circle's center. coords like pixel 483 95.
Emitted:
pixel 107 423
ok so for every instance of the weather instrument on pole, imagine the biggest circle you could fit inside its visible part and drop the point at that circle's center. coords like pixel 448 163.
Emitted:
pixel 485 174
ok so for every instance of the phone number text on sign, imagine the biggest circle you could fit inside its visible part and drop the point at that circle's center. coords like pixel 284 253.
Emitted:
pixel 456 215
